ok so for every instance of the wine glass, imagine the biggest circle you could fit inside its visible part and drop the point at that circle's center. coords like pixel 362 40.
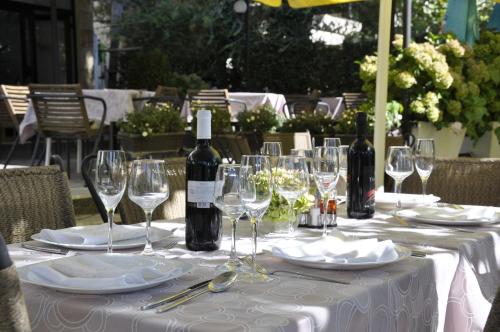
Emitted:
pixel 227 199
pixel 291 181
pixel 399 166
pixel 326 173
pixel 272 150
pixel 424 161
pixel 110 182
pixel 343 152
pixel 255 196
pixel 148 188
pixel 332 142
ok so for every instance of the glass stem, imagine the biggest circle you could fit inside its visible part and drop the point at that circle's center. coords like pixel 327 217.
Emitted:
pixel 398 192
pixel 233 256
pixel 254 223
pixel 424 188
pixel 291 216
pixel 325 213
pixel 148 249
pixel 334 212
pixel 111 212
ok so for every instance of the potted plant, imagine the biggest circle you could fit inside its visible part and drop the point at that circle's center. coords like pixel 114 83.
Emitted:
pixel 157 128
pixel 256 122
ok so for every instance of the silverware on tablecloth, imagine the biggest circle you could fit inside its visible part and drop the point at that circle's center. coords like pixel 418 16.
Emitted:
pixel 176 296
pixel 58 251
pixel 218 284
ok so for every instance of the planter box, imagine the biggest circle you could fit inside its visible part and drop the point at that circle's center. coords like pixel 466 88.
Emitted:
pixel 168 142
pixel 447 140
pixel 487 146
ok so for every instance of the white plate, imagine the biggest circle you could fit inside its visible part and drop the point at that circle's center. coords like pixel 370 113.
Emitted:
pixel 166 268
pixel 157 234
pixel 412 215
pixel 387 201
pixel 401 251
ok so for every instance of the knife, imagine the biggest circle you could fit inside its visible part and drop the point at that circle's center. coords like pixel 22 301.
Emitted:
pixel 58 251
pixel 176 296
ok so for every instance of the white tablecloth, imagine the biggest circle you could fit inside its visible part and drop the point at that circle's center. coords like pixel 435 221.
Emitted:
pixel 251 99
pixel 118 102
pixel 449 290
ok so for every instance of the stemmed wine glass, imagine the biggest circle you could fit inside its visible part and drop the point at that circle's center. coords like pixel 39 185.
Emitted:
pixel 332 142
pixel 148 188
pixel 399 166
pixel 273 151
pixel 343 152
pixel 255 196
pixel 424 161
pixel 326 173
pixel 110 182
pixel 227 199
pixel 291 181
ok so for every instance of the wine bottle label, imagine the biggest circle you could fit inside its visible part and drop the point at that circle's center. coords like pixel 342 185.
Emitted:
pixel 201 193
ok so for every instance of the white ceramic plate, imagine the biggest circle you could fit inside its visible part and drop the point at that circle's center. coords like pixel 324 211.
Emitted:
pixel 401 251
pixel 413 215
pixel 157 234
pixel 387 201
pixel 165 269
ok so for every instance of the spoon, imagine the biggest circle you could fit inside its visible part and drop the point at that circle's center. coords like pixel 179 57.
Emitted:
pixel 218 284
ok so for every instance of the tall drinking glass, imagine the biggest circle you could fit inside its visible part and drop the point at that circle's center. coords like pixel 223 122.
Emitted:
pixel 291 181
pixel 148 188
pixel 332 142
pixel 424 161
pixel 227 199
pixel 255 196
pixel 326 173
pixel 110 182
pixel 399 166
pixel 273 151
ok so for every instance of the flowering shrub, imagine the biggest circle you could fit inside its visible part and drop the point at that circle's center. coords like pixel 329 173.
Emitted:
pixel 393 115
pixel 261 119
pixel 221 120
pixel 159 119
pixel 315 123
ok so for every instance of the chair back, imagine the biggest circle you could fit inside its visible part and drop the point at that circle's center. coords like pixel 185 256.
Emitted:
pixel 14 106
pixel 472 181
pixel 32 199
pixel 13 313
pixel 300 104
pixel 208 99
pixel 59 110
pixel 231 146
pixel 173 207
pixel 353 100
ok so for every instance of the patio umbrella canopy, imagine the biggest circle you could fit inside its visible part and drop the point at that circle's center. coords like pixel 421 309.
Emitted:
pixel 384 32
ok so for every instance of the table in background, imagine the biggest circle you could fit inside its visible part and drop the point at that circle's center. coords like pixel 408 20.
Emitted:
pixel 451 290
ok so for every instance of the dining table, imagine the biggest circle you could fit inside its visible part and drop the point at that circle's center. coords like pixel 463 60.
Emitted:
pixel 451 288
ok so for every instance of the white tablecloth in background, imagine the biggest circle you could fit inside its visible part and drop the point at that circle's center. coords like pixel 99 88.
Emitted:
pixel 251 99
pixel 118 103
pixel 449 290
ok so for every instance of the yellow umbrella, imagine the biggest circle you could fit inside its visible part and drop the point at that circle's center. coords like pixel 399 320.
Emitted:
pixel 305 3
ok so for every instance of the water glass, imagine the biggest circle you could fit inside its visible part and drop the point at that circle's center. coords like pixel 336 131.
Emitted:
pixel 227 199
pixel 110 183
pixel 291 181
pixel 148 188
pixel 332 142
pixel 272 150
pixel 399 166
pixel 255 196
pixel 424 161
pixel 326 170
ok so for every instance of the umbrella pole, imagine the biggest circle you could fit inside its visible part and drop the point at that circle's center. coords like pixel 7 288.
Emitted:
pixel 384 33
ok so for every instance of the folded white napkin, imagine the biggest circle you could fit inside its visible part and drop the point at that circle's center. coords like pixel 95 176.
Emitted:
pixel 92 235
pixel 468 213
pixel 98 270
pixel 388 200
pixel 338 249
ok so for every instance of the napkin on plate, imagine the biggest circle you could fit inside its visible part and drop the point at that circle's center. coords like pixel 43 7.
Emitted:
pixel 338 249
pixel 92 235
pixel 388 200
pixel 468 213
pixel 98 270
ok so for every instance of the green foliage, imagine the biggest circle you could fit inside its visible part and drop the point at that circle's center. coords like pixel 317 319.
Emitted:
pixel 186 82
pixel 152 120
pixel 316 124
pixel 147 69
pixel 261 119
pixel 221 120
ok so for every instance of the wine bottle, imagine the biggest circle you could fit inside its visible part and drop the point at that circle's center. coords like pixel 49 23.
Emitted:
pixel 361 173
pixel 203 218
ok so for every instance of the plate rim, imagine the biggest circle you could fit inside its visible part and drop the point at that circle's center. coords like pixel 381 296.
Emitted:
pixel 446 222
pixel 187 267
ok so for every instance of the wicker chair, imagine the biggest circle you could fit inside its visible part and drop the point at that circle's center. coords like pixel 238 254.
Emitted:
pixel 493 321
pixel 231 146
pixel 173 207
pixel 32 199
pixel 13 313
pixel 461 181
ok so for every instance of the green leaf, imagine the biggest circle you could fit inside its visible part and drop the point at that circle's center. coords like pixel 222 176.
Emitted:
pixel 497 133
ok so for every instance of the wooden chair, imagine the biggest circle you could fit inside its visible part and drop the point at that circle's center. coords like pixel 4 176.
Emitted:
pixel 353 100
pixel 13 313
pixel 472 181
pixel 209 99
pixel 173 207
pixel 12 109
pixel 32 199
pixel 231 146
pixel 61 114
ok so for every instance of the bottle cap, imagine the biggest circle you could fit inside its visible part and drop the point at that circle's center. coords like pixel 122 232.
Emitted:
pixel 204 124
